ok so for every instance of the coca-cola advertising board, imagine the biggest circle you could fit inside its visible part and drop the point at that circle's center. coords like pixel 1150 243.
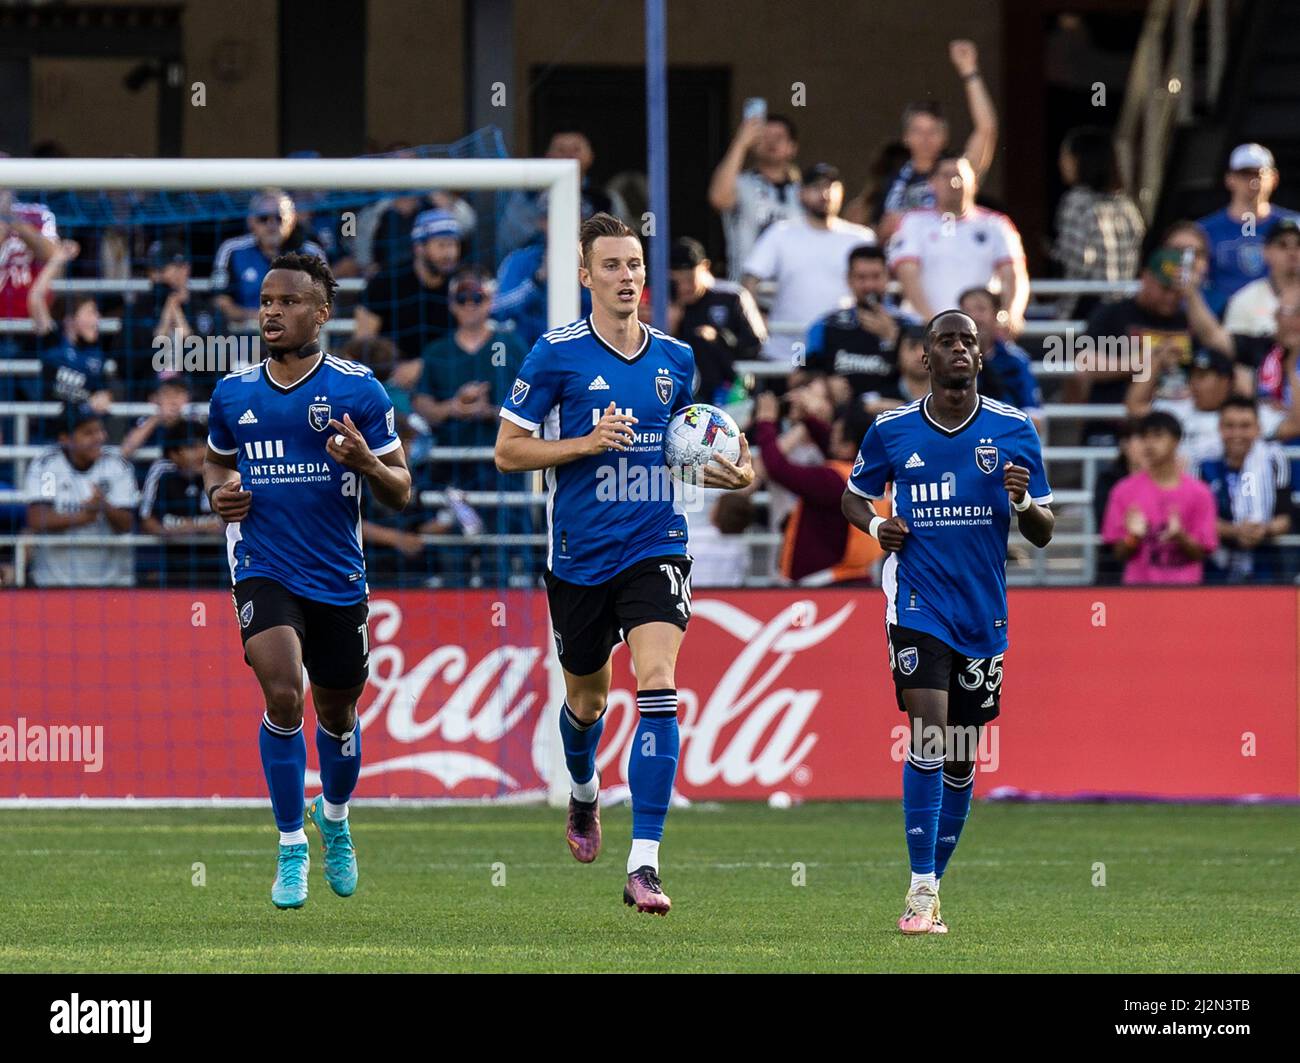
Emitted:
pixel 1154 692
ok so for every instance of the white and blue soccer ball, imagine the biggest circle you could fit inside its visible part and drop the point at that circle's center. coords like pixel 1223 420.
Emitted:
pixel 694 435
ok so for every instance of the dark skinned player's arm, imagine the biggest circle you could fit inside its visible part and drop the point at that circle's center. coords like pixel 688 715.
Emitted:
pixel 390 479
pixel 1036 524
pixel 857 510
pixel 219 469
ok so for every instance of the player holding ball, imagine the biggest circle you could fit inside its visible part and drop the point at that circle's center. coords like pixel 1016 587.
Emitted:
pixel 602 390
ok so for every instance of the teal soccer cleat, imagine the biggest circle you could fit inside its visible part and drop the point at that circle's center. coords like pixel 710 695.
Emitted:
pixel 340 853
pixel 290 888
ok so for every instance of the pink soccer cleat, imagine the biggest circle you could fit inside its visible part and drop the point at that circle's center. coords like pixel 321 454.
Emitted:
pixel 583 829
pixel 644 893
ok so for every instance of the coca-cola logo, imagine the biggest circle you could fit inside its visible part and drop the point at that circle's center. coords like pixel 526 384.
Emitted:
pixel 454 705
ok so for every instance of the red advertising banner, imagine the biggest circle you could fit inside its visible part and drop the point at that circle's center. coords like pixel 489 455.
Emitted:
pixel 1156 692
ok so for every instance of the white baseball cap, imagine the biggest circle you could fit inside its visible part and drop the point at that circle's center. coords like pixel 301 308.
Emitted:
pixel 1251 157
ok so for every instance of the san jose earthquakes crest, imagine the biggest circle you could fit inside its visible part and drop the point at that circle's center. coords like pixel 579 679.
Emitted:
pixel 986 457
pixel 318 415
pixel 664 388
pixel 908 659
pixel 246 614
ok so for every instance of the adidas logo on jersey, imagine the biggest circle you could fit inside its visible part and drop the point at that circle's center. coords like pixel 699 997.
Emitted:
pixel 914 462
pixel 988 702
pixel 598 385
pixel 248 418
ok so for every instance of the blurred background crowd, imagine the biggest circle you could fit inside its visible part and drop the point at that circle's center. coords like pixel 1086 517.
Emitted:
pixel 804 307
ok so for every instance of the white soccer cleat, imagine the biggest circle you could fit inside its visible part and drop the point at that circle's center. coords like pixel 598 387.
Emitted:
pixel 919 910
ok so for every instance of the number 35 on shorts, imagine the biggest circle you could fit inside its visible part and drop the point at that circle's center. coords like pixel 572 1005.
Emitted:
pixel 983 672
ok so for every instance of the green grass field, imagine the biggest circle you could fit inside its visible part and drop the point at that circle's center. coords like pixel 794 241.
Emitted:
pixel 1187 889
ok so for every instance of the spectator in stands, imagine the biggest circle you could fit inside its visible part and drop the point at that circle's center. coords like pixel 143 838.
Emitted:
pixel 1265 365
pixel 719 319
pixel 395 551
pixel 522 220
pixel 74 367
pixel 467 376
pixel 1130 458
pixel 81 488
pixel 173 504
pixel 868 206
pixel 1099 229
pixel 752 200
pixel 860 342
pixel 925 132
pixel 169 312
pixel 1159 324
pixel 940 252
pixel 242 261
pixel 409 306
pixel 381 356
pixel 28 239
pixel 1007 373
pixel 913 376
pixel 808 260
pixel 1277 379
pixel 1161 521
pixel 1252 311
pixel 1238 231
pixel 820 545
pixel 1209 386
pixel 383 240
pixel 719 552
pixel 170 397
pixel 1251 485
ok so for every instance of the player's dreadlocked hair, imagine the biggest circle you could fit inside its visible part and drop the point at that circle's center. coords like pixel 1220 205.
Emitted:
pixel 599 225
pixel 314 266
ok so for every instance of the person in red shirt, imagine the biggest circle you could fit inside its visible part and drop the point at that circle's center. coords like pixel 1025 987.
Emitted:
pixel 820 545
pixel 28 239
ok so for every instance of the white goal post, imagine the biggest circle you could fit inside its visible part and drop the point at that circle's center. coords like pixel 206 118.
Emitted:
pixel 558 177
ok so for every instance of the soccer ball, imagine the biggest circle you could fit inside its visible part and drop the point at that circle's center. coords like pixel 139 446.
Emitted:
pixel 694 435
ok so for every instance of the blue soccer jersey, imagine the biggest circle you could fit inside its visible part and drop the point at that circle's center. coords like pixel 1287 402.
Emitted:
pixel 950 577
pixel 606 511
pixel 304 527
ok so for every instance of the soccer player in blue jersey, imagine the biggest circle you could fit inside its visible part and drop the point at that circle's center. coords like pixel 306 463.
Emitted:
pixel 602 391
pixel 960 465
pixel 290 442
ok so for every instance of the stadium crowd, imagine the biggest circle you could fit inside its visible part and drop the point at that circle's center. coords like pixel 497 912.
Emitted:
pixel 833 292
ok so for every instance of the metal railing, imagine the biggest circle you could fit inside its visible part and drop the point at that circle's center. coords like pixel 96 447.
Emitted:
pixel 1160 92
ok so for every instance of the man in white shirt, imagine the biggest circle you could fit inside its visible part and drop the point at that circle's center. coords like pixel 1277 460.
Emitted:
pixel 808 259
pixel 938 253
pixel 1252 310
pixel 751 200
pixel 81 489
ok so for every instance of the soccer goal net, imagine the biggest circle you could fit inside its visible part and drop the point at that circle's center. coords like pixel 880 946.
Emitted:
pixel 128 288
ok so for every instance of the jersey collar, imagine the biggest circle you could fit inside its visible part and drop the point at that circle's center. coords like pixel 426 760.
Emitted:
pixel 625 359
pixel 925 415
pixel 286 388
